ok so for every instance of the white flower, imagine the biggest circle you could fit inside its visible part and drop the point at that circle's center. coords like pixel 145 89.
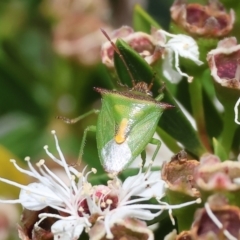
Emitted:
pixel 116 203
pixel 51 191
pixel 79 205
pixel 178 45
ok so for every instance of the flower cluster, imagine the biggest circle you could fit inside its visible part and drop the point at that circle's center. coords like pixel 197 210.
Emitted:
pixel 152 47
pixel 69 208
pixel 209 20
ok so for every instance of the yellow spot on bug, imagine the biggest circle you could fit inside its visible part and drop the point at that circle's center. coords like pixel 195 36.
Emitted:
pixel 120 108
pixel 120 136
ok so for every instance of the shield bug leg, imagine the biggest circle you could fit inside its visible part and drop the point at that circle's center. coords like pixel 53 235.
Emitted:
pixel 158 143
pixel 74 120
pixel 143 156
pixel 159 97
pixel 88 129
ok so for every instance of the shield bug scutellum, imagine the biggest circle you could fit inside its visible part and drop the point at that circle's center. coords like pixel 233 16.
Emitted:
pixel 126 123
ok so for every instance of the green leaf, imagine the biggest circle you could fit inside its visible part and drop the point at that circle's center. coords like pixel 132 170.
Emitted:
pixel 136 65
pixel 219 150
pixel 170 142
pixel 21 134
pixel 228 98
pixel 142 21
pixel 177 125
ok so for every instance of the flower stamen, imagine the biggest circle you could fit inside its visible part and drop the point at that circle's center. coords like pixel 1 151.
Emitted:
pixel 236 111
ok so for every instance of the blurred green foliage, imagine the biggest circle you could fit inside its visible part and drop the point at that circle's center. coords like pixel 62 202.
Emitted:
pixel 37 84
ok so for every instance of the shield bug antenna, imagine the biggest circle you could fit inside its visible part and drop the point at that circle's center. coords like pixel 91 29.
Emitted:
pixel 141 87
pixel 120 55
pixel 126 123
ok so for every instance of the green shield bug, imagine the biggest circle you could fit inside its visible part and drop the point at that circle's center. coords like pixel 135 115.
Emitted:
pixel 126 123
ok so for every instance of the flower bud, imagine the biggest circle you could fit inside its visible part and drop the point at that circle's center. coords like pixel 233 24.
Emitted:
pixel 224 63
pixel 30 230
pixel 72 40
pixel 210 20
pixel 141 42
pixel 218 220
pixel 179 175
pixel 214 176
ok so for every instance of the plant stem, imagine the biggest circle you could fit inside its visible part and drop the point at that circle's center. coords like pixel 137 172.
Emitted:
pixel 229 128
pixel 195 90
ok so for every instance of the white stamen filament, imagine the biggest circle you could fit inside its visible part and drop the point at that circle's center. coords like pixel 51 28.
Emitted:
pixel 21 169
pixel 165 207
pixel 136 186
pixel 236 111
pixel 45 215
pixel 61 187
pixel 178 68
pixel 55 177
pixel 21 187
pixel 65 166
pixel 141 211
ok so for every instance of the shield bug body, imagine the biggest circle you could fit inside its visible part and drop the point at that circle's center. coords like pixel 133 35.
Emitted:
pixel 126 123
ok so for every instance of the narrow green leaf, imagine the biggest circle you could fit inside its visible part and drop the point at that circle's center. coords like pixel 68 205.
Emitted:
pixel 228 97
pixel 142 21
pixel 177 125
pixel 170 142
pixel 136 65
pixel 219 150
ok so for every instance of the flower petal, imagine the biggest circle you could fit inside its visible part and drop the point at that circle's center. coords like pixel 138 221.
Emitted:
pixel 67 229
pixel 151 187
pixel 38 197
pixel 186 47
pixel 168 71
